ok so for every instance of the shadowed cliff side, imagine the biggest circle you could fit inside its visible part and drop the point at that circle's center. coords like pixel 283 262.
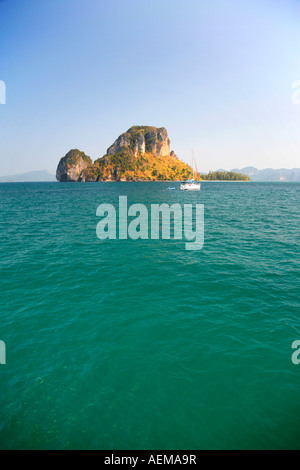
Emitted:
pixel 72 165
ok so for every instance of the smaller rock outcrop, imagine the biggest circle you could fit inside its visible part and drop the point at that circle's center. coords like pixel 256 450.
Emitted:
pixel 71 166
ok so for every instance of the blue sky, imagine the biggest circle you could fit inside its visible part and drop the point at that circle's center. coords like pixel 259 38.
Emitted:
pixel 217 74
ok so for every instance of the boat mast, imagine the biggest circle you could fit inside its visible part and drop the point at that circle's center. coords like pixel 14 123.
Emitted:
pixel 193 162
pixel 195 165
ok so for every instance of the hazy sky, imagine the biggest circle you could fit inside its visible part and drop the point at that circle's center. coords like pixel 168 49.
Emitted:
pixel 217 74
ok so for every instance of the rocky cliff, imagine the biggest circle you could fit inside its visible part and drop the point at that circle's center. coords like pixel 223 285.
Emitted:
pixel 141 140
pixel 140 154
pixel 72 165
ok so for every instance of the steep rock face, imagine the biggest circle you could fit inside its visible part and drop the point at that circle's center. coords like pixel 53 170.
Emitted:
pixel 72 165
pixel 143 139
pixel 123 141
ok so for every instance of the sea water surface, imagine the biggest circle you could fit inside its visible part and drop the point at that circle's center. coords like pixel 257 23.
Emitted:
pixel 124 344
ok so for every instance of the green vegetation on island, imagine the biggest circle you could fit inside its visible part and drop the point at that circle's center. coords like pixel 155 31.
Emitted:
pixel 123 166
pixel 224 176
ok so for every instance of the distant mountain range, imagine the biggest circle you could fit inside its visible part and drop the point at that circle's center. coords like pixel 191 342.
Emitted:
pixel 32 176
pixel 269 174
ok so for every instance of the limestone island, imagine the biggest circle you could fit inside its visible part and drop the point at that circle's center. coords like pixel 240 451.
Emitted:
pixel 143 153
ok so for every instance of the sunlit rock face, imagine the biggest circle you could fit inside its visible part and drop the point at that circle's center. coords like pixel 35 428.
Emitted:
pixel 143 139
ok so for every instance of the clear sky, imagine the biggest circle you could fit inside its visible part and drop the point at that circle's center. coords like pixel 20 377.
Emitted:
pixel 217 74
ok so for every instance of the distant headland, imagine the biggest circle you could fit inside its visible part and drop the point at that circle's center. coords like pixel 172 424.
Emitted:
pixel 143 153
pixel 40 176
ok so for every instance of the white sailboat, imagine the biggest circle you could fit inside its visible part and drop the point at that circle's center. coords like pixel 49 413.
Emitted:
pixel 191 185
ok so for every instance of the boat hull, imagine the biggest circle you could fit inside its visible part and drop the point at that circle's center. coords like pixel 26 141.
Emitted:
pixel 190 187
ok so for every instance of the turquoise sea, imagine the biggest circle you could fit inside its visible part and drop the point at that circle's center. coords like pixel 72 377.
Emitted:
pixel 124 344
